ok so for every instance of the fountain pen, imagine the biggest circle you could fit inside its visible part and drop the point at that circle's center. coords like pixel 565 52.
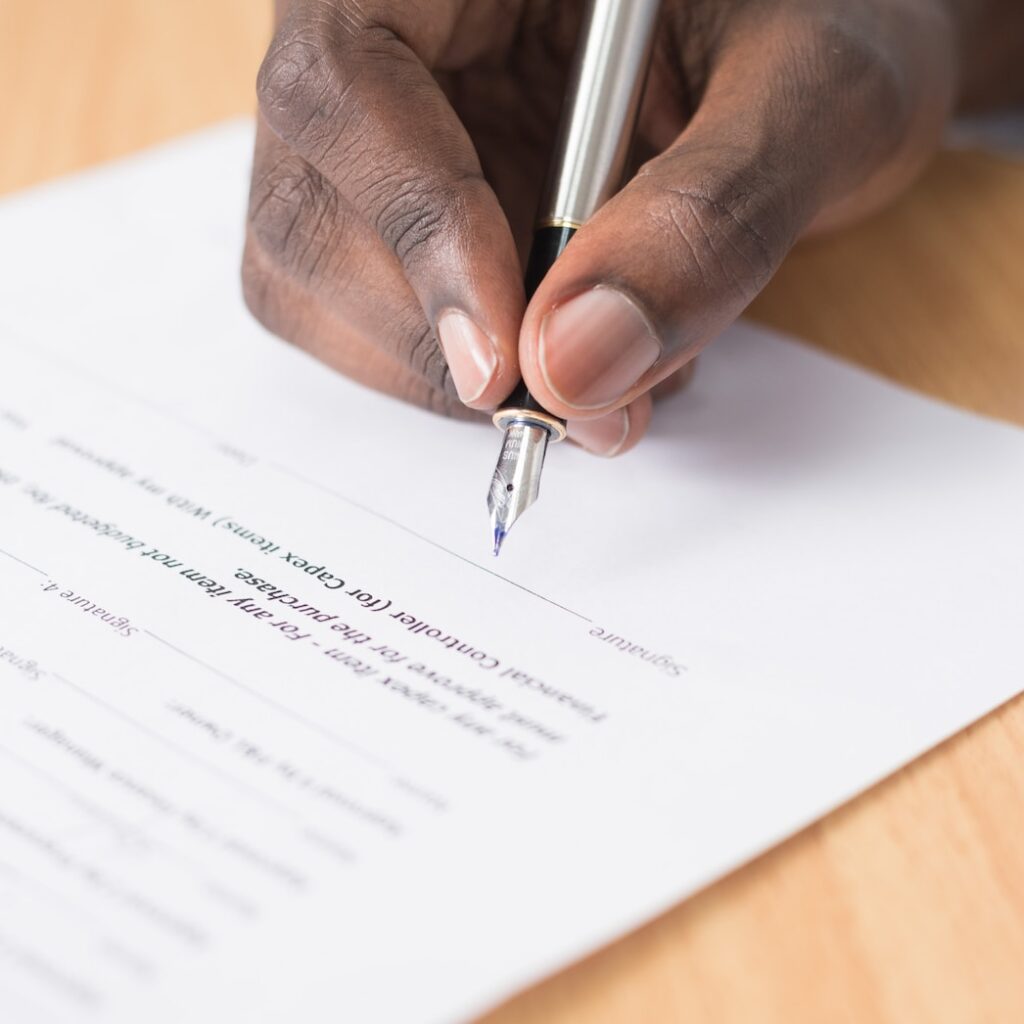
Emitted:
pixel 599 116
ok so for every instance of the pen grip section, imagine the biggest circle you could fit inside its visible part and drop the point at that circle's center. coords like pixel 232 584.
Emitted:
pixel 548 244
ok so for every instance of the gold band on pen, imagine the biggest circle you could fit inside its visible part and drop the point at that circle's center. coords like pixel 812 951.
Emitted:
pixel 558 222
pixel 532 417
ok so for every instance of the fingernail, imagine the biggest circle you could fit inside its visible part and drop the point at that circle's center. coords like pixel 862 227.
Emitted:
pixel 472 357
pixel 595 348
pixel 604 436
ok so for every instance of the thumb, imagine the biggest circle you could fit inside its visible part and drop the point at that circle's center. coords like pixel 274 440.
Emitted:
pixel 676 256
pixel 662 269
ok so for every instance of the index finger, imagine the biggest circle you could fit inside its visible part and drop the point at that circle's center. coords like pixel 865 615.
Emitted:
pixel 351 91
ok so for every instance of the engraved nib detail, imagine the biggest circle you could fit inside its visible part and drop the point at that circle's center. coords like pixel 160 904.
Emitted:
pixel 516 481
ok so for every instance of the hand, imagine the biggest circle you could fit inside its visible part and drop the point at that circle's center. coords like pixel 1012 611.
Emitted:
pixel 402 144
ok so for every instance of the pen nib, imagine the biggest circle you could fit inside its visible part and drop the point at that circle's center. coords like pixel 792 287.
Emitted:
pixel 499 536
pixel 516 481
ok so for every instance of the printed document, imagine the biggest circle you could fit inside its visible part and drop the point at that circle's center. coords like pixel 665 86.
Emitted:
pixel 281 740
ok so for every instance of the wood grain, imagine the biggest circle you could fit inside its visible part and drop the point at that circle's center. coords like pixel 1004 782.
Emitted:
pixel 86 80
pixel 905 906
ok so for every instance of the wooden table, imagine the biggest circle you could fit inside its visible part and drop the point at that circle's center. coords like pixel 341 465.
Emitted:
pixel 906 905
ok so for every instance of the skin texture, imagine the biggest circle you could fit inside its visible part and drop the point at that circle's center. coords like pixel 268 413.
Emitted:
pixel 402 145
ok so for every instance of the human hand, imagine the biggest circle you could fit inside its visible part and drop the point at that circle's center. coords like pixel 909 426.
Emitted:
pixel 402 145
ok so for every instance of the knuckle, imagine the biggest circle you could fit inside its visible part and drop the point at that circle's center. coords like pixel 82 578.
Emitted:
pixel 297 86
pixel 726 228
pixel 344 96
pixel 411 217
pixel 414 216
pixel 295 216
pixel 320 80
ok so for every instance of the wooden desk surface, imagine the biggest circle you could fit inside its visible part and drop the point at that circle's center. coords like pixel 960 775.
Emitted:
pixel 906 905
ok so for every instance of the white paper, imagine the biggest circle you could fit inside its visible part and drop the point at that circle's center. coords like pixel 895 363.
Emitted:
pixel 209 813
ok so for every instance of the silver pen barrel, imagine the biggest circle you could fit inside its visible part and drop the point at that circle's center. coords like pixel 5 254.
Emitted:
pixel 588 164
pixel 601 106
